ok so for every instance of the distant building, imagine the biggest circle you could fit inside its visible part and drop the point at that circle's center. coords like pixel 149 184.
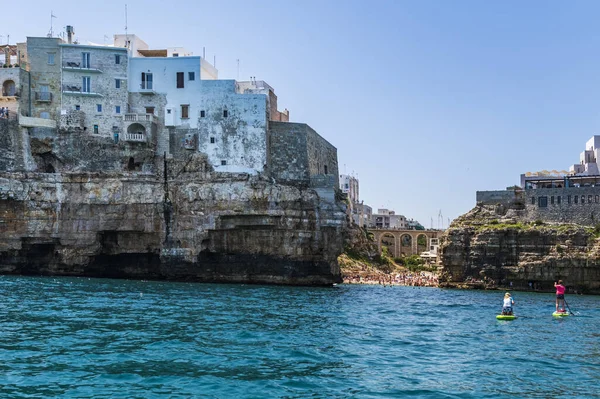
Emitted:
pixel 349 186
pixel 387 219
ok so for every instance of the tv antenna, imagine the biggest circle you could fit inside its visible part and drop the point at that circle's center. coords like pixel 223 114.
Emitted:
pixel 52 16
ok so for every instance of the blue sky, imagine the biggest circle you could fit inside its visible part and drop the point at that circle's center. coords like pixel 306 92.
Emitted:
pixel 426 101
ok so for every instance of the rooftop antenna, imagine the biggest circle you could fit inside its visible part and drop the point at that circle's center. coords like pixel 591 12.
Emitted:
pixel 52 16
pixel 238 69
pixel 204 52
pixel 105 37
pixel 215 61
pixel 126 36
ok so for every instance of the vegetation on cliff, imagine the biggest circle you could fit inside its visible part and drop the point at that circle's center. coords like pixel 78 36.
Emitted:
pixel 497 246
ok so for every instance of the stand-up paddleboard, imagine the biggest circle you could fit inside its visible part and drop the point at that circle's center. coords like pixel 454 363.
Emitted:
pixel 561 314
pixel 506 317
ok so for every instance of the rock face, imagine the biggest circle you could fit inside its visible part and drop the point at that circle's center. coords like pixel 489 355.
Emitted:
pixel 193 226
pixel 491 242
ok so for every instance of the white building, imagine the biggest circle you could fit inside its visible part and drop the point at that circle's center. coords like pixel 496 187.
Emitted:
pixel 349 186
pixel 387 219
pixel 588 159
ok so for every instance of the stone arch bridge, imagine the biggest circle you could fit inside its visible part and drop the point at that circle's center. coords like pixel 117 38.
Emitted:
pixel 404 242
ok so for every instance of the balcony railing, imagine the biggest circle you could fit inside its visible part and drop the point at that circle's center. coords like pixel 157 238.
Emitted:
pixel 140 137
pixel 43 96
pixel 73 89
pixel 138 118
pixel 77 66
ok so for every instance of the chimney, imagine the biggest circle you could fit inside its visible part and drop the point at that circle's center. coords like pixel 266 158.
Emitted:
pixel 70 34
pixel 7 55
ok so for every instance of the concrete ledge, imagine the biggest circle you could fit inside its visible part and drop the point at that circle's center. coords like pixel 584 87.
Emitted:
pixel 26 121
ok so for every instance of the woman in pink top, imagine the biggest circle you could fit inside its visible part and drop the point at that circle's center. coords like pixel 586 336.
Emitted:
pixel 560 296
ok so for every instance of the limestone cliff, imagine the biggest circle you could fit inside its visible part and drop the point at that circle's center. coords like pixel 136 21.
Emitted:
pixel 195 225
pixel 493 244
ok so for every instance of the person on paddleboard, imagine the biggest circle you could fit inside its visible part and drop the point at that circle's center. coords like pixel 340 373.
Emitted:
pixel 560 296
pixel 507 306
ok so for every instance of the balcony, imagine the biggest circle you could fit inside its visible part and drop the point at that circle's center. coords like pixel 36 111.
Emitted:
pixel 43 96
pixel 146 88
pixel 138 137
pixel 139 118
pixel 74 66
pixel 76 90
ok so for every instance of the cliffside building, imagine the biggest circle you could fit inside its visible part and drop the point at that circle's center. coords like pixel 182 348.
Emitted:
pixel 160 101
pixel 556 196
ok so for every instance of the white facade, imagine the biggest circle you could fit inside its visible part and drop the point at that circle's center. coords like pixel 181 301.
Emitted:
pixel 133 42
pixel 232 127
pixel 588 159
pixel 387 219
pixel 349 185
pixel 176 77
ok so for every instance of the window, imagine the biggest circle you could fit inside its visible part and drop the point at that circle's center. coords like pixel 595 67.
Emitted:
pixel 86 85
pixel 191 76
pixel 575 199
pixel 180 80
pixel 85 60
pixel 558 199
pixel 202 114
pixel 597 199
pixel 77 107
pixel 223 162
pixel 542 202
pixel 532 200
pixel 150 110
pixel 175 54
pixel 117 58
pixel 117 83
pixel 568 199
pixel 117 109
pixel 552 199
pixel 225 114
pixel 95 129
pixel 583 199
pixel 325 169
pixel 146 81
pixel 589 199
pixel 51 58
pixel 98 107
pixel 212 140
pixel 45 115
pixel 185 109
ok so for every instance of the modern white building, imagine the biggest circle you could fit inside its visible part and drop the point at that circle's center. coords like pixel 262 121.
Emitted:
pixel 588 159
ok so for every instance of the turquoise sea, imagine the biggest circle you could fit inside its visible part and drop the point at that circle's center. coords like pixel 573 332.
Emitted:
pixel 88 338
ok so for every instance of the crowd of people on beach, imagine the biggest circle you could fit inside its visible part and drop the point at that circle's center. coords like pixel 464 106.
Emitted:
pixel 3 112
pixel 414 279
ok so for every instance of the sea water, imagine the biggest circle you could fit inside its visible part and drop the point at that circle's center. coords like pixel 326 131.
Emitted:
pixel 84 338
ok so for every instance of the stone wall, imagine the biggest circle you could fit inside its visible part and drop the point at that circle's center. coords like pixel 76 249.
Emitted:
pixel 579 205
pixel 103 72
pixel 44 73
pixel 288 154
pixel 505 197
pixel 297 152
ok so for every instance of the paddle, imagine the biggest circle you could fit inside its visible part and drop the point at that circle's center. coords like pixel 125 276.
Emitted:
pixel 568 307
